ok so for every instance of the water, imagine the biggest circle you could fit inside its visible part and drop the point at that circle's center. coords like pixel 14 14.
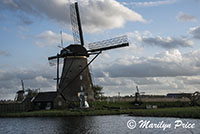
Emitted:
pixel 115 124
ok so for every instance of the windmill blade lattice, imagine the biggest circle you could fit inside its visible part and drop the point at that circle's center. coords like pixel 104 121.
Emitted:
pixel 74 23
pixel 117 42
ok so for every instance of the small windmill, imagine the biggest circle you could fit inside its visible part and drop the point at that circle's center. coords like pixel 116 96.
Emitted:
pixel 20 93
pixel 75 79
pixel 138 94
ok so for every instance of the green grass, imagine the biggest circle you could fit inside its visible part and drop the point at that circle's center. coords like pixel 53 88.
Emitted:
pixel 129 105
pixel 187 112
pixel 165 109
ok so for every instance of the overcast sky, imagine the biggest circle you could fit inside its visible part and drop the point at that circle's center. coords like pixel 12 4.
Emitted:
pixel 163 55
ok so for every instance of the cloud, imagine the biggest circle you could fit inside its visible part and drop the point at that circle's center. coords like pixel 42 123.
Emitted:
pixel 21 73
pixel 150 3
pixel 192 80
pixel 198 1
pixel 8 3
pixel 167 71
pixel 4 53
pixel 147 81
pixel 25 20
pixel 183 17
pixel 42 78
pixel 96 15
pixel 195 31
pixel 146 38
pixel 49 38
pixel 149 85
pixel 106 14
pixel 122 81
pixel 166 64
pixel 167 43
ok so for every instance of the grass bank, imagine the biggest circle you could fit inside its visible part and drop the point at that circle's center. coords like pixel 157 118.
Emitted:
pixel 130 105
pixel 184 112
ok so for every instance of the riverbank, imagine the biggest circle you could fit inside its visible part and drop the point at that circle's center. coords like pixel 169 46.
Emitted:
pixel 184 112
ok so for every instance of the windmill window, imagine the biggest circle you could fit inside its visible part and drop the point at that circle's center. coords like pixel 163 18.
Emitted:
pixel 81 88
pixel 80 67
pixel 60 103
pixel 81 77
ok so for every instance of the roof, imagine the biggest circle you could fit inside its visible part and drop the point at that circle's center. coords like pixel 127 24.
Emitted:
pixel 45 97
pixel 74 50
pixel 179 94
pixel 20 91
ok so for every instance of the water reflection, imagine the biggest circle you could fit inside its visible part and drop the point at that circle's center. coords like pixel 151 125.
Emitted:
pixel 88 125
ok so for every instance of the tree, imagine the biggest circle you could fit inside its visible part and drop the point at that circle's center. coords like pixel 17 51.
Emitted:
pixel 97 91
pixel 32 93
pixel 195 98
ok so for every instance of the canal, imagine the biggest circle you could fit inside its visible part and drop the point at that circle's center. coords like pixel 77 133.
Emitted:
pixel 111 124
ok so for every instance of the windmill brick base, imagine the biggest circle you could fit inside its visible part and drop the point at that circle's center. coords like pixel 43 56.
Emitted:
pixel 73 81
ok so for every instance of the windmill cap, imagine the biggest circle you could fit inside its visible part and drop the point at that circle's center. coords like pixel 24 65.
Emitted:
pixel 74 50
pixel 20 91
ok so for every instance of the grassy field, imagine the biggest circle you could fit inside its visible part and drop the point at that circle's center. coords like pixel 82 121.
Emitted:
pixel 130 105
pixel 186 112
pixel 178 109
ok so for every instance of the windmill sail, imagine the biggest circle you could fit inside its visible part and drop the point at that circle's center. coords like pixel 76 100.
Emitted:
pixel 76 24
pixel 117 42
pixel 53 60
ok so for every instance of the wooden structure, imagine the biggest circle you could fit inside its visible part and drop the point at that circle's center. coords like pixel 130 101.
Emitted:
pixel 48 100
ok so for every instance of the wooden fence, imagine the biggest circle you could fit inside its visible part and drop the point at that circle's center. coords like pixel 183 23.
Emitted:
pixel 15 106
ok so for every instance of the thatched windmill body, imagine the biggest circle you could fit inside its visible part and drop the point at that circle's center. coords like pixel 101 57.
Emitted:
pixel 75 77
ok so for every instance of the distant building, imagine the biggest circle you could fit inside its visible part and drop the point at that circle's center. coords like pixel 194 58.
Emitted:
pixel 178 95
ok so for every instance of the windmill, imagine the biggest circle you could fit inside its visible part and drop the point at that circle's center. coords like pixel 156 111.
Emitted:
pixel 20 93
pixel 138 94
pixel 75 79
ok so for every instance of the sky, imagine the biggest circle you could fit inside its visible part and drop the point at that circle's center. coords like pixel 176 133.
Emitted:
pixel 162 57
